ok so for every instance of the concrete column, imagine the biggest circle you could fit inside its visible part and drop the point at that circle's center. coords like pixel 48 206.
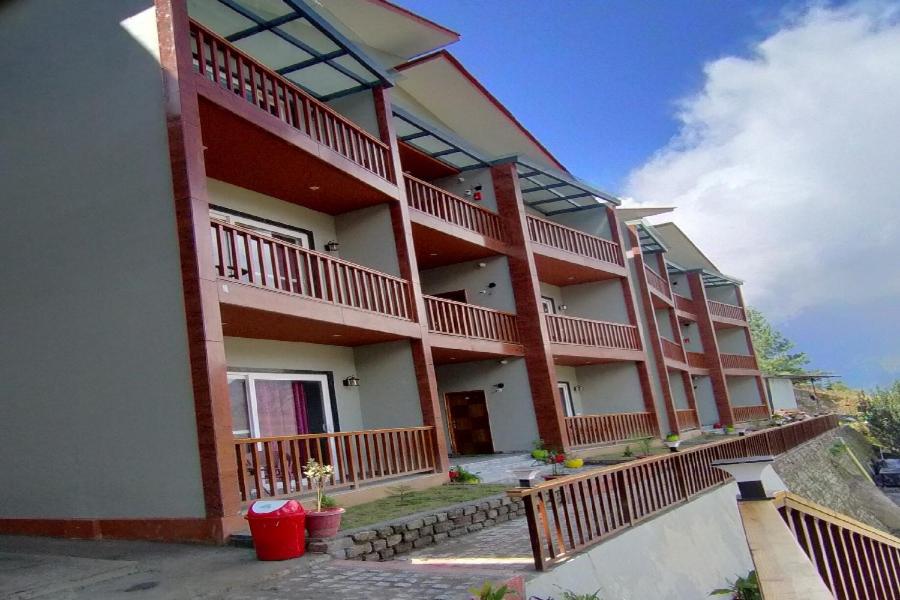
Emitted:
pixel 710 348
pixel 409 270
pixel 532 326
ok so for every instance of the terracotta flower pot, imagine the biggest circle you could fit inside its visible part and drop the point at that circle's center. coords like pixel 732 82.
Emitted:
pixel 325 523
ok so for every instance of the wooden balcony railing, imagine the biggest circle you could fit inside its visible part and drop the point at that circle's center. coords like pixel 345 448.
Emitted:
pixel 657 282
pixel 576 512
pixel 852 558
pixel 589 430
pixel 684 303
pixel 726 311
pixel 468 320
pixel 696 360
pixel 273 466
pixel 248 257
pixel 738 361
pixel 745 414
pixel 671 350
pixel 448 207
pixel 548 233
pixel 585 332
pixel 245 76
pixel 687 418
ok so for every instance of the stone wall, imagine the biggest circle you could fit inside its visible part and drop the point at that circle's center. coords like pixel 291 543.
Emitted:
pixel 382 541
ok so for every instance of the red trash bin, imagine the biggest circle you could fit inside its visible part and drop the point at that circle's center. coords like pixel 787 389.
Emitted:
pixel 278 529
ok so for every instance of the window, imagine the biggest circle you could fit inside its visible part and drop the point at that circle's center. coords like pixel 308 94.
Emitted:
pixel 549 305
pixel 270 404
pixel 565 396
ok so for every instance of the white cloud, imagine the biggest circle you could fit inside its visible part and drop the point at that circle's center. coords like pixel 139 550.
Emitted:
pixel 786 171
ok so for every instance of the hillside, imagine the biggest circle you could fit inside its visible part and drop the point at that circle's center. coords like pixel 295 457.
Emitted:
pixel 841 401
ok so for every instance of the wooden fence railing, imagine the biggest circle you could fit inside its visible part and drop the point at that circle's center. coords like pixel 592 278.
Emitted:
pixel 468 320
pixel 273 466
pixel 445 206
pixel 589 430
pixel 573 513
pixel 586 332
pixel 855 560
pixel 738 361
pixel 671 350
pixel 696 360
pixel 548 233
pixel 687 418
pixel 249 257
pixel 657 282
pixel 745 414
pixel 726 311
pixel 245 76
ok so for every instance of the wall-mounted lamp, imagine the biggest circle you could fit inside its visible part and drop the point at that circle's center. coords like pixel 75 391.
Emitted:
pixel 674 283
pixel 351 381
pixel 503 361
pixel 489 289
pixel 563 307
pixel 498 387
pixel 577 388
pixel 480 265
pixel 461 179
pixel 332 246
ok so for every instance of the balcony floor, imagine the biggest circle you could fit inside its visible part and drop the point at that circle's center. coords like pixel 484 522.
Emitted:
pixel 447 349
pixel 573 355
pixel 439 243
pixel 560 268
pixel 249 148
pixel 251 312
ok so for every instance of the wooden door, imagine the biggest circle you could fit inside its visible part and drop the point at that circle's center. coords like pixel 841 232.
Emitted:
pixel 470 427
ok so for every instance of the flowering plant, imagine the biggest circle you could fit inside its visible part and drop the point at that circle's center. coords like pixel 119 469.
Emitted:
pixel 318 475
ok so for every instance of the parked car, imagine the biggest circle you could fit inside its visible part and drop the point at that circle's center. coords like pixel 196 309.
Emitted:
pixel 887 472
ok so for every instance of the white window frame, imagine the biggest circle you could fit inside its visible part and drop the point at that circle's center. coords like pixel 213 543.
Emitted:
pixel 263 228
pixel 565 396
pixel 250 377
pixel 549 305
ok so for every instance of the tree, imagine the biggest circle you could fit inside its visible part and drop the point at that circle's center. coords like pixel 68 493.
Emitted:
pixel 882 411
pixel 773 350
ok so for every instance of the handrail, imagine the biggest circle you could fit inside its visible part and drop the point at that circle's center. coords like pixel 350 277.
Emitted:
pixel 687 418
pixel 726 311
pixel 249 257
pixel 273 466
pixel 671 350
pixel 657 282
pixel 738 361
pixel 854 560
pixel 245 76
pixel 468 320
pixel 550 233
pixel 587 332
pixel 745 414
pixel 575 512
pixel 696 360
pixel 443 205
pixel 590 430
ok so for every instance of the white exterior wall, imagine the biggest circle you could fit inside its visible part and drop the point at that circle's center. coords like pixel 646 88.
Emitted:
pixel 513 424
pixel 680 285
pixel 743 391
pixel 470 277
pixel 245 354
pixel 390 393
pixel 610 388
pixel 594 222
pixel 706 400
pixel 676 386
pixel 732 341
pixel 97 412
pixel 665 324
pixel 682 553
pixel 359 108
pixel 723 293
pixel 367 238
pixel 781 393
pixel 690 336
pixel 471 179
pixel 601 301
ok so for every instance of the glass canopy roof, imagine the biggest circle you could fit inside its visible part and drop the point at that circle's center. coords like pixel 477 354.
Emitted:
pixel 650 242
pixel 710 278
pixel 291 38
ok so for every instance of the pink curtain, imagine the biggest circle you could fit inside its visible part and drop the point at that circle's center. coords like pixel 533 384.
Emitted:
pixel 281 406
pixel 300 408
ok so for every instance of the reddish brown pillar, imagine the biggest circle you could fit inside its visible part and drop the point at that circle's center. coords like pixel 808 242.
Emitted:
pixel 532 326
pixel 652 337
pixel 204 324
pixel 710 348
pixel 409 270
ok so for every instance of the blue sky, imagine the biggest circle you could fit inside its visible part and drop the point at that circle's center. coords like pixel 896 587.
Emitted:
pixel 738 113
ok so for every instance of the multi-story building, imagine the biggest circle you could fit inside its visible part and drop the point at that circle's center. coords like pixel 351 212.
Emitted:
pixel 286 230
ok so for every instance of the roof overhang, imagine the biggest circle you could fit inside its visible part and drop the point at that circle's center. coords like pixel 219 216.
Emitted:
pixel 453 95
pixel 650 241
pixel 709 278
pixel 292 38
pixel 554 192
pixel 436 142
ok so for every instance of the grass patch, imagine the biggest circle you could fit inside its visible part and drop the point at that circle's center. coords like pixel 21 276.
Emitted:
pixel 418 501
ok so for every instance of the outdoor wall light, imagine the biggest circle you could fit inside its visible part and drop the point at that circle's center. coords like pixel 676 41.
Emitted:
pixel 577 388
pixel 461 179
pixel 503 361
pixel 498 387
pixel 480 265
pixel 332 246
pixel 489 289
pixel 563 307
pixel 351 381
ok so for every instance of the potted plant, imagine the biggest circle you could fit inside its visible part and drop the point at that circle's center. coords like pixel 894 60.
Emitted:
pixel 574 462
pixel 459 474
pixel 718 428
pixel 729 430
pixel 742 588
pixel 557 461
pixel 326 519
pixel 673 441
pixel 539 452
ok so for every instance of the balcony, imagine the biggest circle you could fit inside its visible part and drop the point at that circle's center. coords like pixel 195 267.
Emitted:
pixel 470 332
pixel 276 290
pixel 576 341
pixel 727 314
pixel 591 430
pixel 672 351
pixel 739 362
pixel 659 287
pixel 273 467
pixel 566 256
pixel 697 360
pixel 449 229
pixel 685 307
pixel 263 132
pixel 745 414
pixel 687 419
